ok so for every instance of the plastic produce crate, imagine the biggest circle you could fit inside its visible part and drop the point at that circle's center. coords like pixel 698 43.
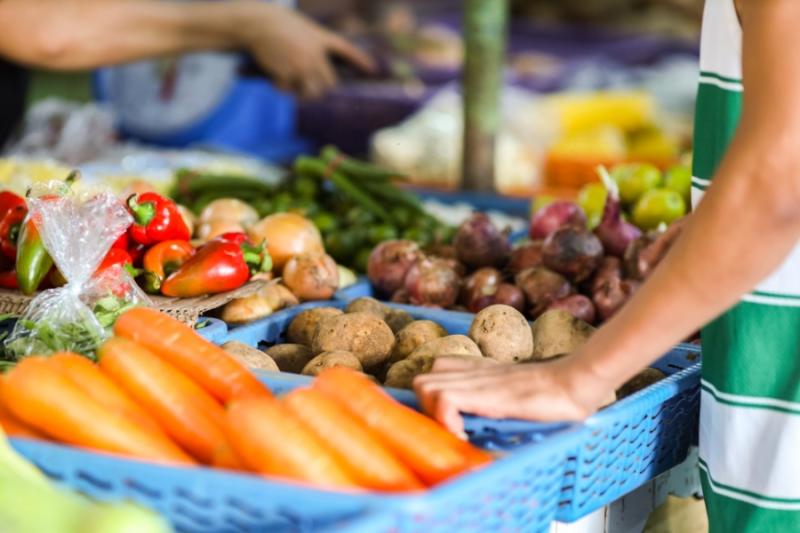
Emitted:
pixel 637 438
pixel 517 492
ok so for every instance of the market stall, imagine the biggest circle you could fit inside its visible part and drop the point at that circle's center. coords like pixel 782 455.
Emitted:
pixel 225 336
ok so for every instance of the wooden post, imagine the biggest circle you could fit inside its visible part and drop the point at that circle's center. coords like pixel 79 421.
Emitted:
pixel 484 54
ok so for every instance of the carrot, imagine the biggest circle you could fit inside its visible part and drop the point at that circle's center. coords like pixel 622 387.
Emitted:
pixel 187 413
pixel 37 394
pixel 178 344
pixel 271 441
pixel 100 388
pixel 364 456
pixel 12 426
pixel 427 448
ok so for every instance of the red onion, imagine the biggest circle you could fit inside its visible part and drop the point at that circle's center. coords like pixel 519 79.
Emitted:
pixel 611 267
pixel 479 243
pixel 614 232
pixel 612 295
pixel 432 282
pixel 526 255
pixel 578 306
pixel 509 294
pixel 482 282
pixel 389 263
pixel 553 216
pixel 542 287
pixel 644 254
pixel 574 252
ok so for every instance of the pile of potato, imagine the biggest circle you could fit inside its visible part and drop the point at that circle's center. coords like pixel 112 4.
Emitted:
pixel 392 347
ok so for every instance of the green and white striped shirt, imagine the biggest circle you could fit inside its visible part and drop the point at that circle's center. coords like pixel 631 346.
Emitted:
pixel 750 403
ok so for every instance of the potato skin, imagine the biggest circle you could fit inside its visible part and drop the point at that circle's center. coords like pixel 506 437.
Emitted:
pixel 367 305
pixel 365 335
pixel 330 360
pixel 304 326
pixel 643 379
pixel 415 335
pixel 557 332
pixel 452 345
pixel 250 357
pixel 402 373
pixel 502 333
pixel 397 319
pixel 290 357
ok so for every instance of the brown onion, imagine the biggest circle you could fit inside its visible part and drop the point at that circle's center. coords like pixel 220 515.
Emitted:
pixel 311 276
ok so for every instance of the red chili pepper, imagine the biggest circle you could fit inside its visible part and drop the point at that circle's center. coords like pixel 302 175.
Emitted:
pixel 10 223
pixel 122 242
pixel 115 256
pixel 8 280
pixel 156 219
pixel 218 266
pixel 162 260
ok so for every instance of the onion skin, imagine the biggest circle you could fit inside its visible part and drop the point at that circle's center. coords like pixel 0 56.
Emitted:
pixel 432 282
pixel 611 296
pixel 542 287
pixel 556 215
pixel 573 252
pixel 481 283
pixel 311 276
pixel 526 255
pixel 611 267
pixel 511 295
pixel 577 305
pixel 644 254
pixel 285 236
pixel 389 263
pixel 479 243
pixel 615 233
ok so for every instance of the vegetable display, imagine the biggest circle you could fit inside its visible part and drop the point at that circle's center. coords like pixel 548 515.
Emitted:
pixel 361 340
pixel 162 393
pixel 353 205
pixel 589 274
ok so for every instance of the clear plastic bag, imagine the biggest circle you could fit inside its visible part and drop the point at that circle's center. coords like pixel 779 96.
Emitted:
pixel 77 230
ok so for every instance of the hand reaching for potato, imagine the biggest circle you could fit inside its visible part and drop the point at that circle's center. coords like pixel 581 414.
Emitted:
pixel 552 391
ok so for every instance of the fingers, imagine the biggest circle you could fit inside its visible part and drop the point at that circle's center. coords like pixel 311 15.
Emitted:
pixel 452 364
pixel 347 50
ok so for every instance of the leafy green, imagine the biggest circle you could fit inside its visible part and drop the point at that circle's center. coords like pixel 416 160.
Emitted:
pixel 43 337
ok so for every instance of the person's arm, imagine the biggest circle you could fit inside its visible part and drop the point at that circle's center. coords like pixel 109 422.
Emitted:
pixel 745 226
pixel 81 34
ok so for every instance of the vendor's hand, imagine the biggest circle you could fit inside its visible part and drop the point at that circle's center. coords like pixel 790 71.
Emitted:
pixel 296 51
pixel 551 391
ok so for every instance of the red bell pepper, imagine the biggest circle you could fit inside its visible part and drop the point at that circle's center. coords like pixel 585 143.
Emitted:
pixel 9 201
pixel 219 266
pixel 8 280
pixel 122 242
pixel 10 223
pixel 156 219
pixel 162 260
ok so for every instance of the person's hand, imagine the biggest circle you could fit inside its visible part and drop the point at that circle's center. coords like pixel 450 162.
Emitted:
pixel 296 51
pixel 556 390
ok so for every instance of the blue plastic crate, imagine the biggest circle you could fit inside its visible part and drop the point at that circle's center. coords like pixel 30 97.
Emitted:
pixel 509 205
pixel 358 289
pixel 635 439
pixel 517 492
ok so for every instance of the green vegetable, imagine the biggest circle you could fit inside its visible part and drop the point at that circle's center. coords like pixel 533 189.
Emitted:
pixel 362 258
pixel 325 222
pixel 44 337
pixel 658 206
pixel 357 169
pixel 634 180
pixel 378 234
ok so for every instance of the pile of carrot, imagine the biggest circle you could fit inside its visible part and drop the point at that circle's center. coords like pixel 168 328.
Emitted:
pixel 160 392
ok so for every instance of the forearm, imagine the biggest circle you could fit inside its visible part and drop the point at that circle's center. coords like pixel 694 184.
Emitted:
pixel 79 34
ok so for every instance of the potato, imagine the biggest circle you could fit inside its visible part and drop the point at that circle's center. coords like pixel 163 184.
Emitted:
pixel 367 305
pixel 503 334
pixel 402 373
pixel 449 346
pixel 556 332
pixel 330 360
pixel 415 335
pixel 247 309
pixel 250 357
pixel 364 334
pixel 643 379
pixel 290 357
pixel 397 319
pixel 304 326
